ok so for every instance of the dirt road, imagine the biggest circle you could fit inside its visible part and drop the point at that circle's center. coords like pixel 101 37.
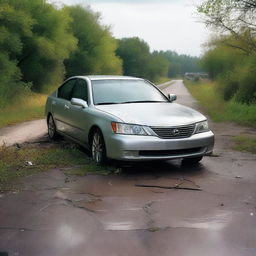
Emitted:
pixel 109 215
pixel 23 132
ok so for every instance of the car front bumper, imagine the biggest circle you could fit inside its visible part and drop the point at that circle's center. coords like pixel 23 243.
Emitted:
pixel 142 148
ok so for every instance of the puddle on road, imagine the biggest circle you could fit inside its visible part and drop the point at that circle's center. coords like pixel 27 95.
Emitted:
pixel 120 226
pixel 217 221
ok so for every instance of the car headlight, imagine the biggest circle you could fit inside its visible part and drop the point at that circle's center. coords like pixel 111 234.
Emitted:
pixel 202 127
pixel 129 129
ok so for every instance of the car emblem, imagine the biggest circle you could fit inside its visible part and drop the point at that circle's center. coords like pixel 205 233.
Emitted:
pixel 175 132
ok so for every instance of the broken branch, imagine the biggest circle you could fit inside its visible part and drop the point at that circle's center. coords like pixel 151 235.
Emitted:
pixel 166 187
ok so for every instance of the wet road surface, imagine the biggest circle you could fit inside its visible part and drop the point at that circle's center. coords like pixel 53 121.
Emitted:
pixel 108 215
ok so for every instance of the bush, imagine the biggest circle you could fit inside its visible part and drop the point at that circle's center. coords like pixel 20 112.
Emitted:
pixel 228 84
pixel 234 71
pixel 246 76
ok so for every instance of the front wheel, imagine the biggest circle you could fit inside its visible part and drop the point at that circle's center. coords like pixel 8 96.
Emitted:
pixel 98 148
pixel 52 132
pixel 192 160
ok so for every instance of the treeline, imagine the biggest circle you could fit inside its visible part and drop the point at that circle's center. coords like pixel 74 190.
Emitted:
pixel 180 64
pixel 41 45
pixel 138 61
pixel 230 58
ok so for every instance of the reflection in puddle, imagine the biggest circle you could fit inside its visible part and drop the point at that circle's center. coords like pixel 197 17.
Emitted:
pixel 126 225
pixel 129 209
pixel 69 236
pixel 214 222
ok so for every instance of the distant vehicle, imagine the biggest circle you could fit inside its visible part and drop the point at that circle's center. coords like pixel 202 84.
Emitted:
pixel 196 76
pixel 126 118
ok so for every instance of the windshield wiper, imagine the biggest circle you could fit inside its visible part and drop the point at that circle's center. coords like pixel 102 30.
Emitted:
pixel 142 101
pixel 107 103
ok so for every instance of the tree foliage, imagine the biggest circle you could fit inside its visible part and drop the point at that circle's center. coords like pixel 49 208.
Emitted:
pixel 36 38
pixel 136 57
pixel 180 64
pixel 15 24
pixel 231 57
pixel 138 61
pixel 234 71
pixel 238 17
pixel 42 41
pixel 96 47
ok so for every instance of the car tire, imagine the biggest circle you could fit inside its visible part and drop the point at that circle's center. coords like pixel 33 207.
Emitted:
pixel 52 132
pixel 98 149
pixel 192 160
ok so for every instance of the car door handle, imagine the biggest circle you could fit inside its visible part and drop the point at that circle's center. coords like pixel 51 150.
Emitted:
pixel 53 102
pixel 66 106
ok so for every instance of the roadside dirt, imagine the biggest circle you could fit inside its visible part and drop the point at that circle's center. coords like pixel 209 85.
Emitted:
pixel 23 132
pixel 108 215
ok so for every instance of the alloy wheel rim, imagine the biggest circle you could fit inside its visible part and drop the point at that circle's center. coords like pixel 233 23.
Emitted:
pixel 97 148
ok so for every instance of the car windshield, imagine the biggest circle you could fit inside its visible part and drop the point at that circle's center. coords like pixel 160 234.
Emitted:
pixel 125 91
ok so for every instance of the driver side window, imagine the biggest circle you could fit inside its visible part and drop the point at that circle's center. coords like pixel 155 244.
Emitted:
pixel 64 92
pixel 80 90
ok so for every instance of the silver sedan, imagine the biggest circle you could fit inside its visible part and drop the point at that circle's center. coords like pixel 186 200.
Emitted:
pixel 126 118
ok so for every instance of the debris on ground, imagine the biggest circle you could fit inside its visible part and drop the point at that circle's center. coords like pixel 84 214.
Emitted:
pixel 118 170
pixel 238 177
pixel 29 163
pixel 18 146
pixel 167 187
pixel 154 229
pixel 214 155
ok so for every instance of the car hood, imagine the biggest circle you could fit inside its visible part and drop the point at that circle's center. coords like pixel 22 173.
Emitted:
pixel 153 114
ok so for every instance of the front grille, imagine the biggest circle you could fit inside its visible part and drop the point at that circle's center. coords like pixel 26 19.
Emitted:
pixel 175 152
pixel 174 132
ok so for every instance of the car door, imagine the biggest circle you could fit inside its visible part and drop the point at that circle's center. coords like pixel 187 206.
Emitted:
pixel 78 115
pixel 61 106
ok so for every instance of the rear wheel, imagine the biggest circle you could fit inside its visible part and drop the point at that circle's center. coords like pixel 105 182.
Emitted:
pixel 52 132
pixel 192 160
pixel 98 148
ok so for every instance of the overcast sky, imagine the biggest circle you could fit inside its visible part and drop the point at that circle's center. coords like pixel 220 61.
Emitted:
pixel 163 24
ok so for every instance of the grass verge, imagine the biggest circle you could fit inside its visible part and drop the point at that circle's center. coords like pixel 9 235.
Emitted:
pixel 218 109
pixel 245 143
pixel 19 162
pixel 29 108
pixel 162 80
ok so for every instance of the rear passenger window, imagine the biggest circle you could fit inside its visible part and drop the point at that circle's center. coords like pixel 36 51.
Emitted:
pixel 80 90
pixel 65 90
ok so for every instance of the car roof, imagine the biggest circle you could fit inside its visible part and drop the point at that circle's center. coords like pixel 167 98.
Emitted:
pixel 108 77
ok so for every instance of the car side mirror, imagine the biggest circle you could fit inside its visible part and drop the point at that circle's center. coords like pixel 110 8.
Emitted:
pixel 172 97
pixel 79 102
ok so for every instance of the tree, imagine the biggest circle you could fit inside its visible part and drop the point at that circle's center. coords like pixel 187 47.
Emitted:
pixel 158 66
pixel 180 64
pixel 138 61
pixel 234 72
pixel 15 24
pixel 238 17
pixel 95 53
pixel 45 43
pixel 135 53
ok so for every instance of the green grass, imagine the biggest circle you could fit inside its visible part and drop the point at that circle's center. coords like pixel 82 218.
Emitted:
pixel 14 163
pixel 29 108
pixel 218 109
pixel 162 80
pixel 245 143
